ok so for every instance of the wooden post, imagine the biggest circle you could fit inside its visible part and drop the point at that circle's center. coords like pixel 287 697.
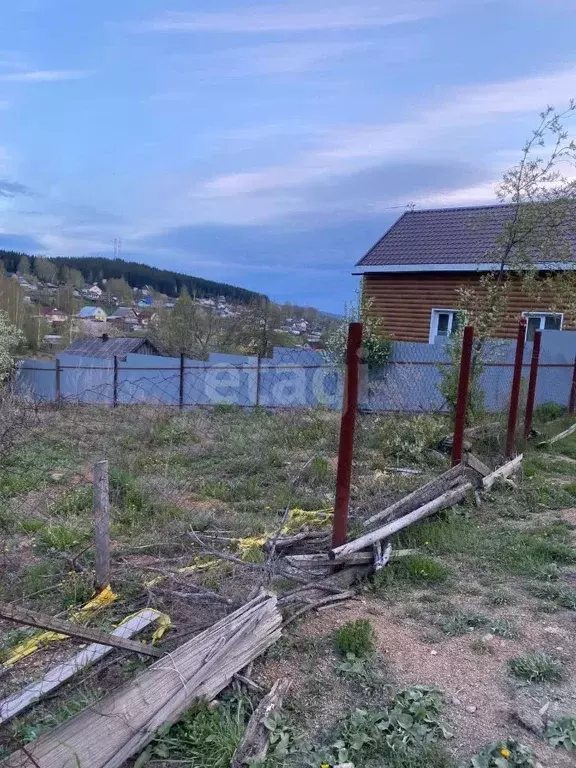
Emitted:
pixel 102 525
pixel 532 384
pixel 346 444
pixel 181 392
pixel 57 381
pixel 515 393
pixel 572 400
pixel 463 388
pixel 115 383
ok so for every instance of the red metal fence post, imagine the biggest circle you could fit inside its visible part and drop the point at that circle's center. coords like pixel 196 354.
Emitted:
pixel 515 393
pixel 347 425
pixel 463 387
pixel 532 384
pixel 572 400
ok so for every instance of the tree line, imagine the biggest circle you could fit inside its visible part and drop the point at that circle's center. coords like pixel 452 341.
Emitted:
pixel 79 270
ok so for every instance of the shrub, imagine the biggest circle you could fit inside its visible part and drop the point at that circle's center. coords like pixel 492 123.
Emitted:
pixel 356 638
pixel 548 412
pixel 538 667
pixel 504 754
pixel 562 733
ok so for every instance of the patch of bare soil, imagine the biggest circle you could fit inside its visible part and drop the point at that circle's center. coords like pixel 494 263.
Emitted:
pixel 480 697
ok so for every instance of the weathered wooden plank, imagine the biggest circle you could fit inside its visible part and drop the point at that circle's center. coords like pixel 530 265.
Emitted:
pixel 58 675
pixel 101 525
pixel 422 495
pixel 445 500
pixel 502 472
pixel 43 621
pixel 110 731
pixel 557 437
pixel 254 744
pixel 474 463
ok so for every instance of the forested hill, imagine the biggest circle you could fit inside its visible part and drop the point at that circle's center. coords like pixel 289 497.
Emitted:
pixel 137 276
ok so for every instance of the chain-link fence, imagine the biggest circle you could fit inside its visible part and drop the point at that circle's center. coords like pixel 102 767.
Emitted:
pixel 207 462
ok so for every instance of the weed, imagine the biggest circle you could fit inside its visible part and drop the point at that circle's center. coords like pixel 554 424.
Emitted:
pixel 563 597
pixel 500 597
pixel 460 623
pixel 76 501
pixel 355 638
pixel 415 569
pixel 504 628
pixel 59 537
pixel 538 667
pixel 367 675
pixel 480 646
pixel 548 412
pixel 562 733
pixel 202 737
pixel 25 731
pixel 411 721
pixel 504 754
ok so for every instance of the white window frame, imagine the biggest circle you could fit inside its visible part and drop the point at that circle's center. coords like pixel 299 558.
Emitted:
pixel 542 315
pixel 434 317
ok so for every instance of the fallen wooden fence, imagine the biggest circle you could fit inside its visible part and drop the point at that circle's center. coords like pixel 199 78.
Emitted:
pixel 113 729
pixel 443 501
pixel 58 675
pixel 43 621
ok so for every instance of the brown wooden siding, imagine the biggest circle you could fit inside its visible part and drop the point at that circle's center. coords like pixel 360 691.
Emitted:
pixel 405 301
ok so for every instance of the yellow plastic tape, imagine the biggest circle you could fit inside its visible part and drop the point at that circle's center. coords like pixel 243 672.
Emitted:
pixel 42 639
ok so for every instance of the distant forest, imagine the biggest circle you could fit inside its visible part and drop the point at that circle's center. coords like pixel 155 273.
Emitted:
pixel 95 270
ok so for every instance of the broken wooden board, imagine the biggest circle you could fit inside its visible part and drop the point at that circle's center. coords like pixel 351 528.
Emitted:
pixel 474 463
pixel 57 676
pixel 113 729
pixel 42 620
pixel 441 502
pixel 254 744
pixel 417 498
pixel 502 472
pixel 557 437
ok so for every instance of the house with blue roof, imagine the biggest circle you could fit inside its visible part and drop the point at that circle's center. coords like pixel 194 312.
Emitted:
pixel 93 313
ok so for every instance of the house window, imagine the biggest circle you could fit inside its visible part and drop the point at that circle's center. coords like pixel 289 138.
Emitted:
pixel 542 321
pixel 444 323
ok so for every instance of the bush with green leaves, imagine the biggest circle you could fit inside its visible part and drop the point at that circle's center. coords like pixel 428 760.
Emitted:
pixel 355 638
pixel 538 667
pixel 410 722
pixel 562 733
pixel 504 754
pixel 11 338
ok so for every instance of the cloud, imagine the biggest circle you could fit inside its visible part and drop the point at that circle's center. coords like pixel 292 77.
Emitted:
pixel 280 58
pixel 13 189
pixel 349 150
pixel 260 19
pixel 43 76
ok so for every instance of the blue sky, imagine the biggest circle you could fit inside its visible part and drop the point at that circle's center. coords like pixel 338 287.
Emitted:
pixel 266 144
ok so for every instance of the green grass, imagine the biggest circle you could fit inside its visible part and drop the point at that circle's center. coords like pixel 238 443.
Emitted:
pixel 559 595
pixel 355 637
pixel 504 628
pixel 415 569
pixel 538 667
pixel 202 737
pixel 461 622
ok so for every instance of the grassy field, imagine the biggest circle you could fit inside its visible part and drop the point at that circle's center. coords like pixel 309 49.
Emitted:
pixel 482 612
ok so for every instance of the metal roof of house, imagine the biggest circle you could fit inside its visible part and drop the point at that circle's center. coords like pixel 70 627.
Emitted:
pixel 445 238
pixel 105 346
pixel 123 312
pixel 90 311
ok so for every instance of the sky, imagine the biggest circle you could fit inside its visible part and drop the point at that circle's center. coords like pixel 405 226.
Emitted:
pixel 263 144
